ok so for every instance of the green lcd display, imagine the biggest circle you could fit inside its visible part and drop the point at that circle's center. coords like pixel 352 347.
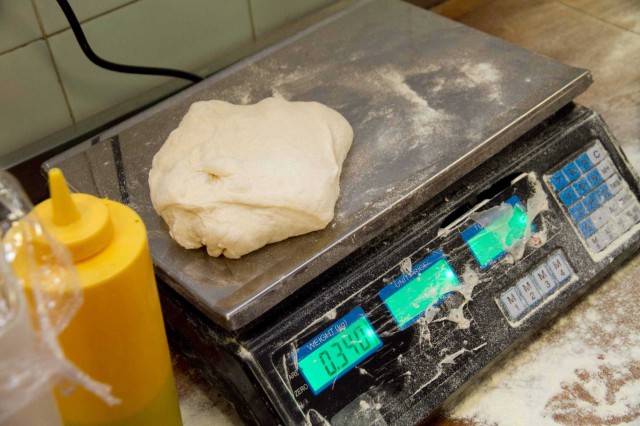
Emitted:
pixel 410 295
pixel 335 351
pixel 488 243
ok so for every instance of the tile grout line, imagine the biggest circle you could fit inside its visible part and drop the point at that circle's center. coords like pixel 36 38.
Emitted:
pixel 53 61
pixel 252 21
pixel 596 17
pixel 100 15
pixel 43 32
pixel 35 40
pixel 106 12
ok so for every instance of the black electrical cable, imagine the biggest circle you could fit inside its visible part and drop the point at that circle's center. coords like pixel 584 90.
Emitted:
pixel 103 63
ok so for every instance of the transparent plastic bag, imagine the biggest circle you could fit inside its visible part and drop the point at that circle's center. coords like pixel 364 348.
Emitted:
pixel 31 259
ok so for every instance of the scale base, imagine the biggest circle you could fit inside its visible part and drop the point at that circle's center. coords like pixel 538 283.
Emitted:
pixel 246 364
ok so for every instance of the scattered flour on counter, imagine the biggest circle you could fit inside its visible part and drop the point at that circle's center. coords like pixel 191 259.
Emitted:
pixel 201 404
pixel 584 370
pixel 484 74
pixel 397 83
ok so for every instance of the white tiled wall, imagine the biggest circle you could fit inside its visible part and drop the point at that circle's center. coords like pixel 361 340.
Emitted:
pixel 269 14
pixel 46 83
pixel 18 24
pixel 31 101
pixel 179 37
pixel 53 19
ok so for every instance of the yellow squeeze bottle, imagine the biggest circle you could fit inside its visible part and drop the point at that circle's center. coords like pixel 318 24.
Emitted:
pixel 117 336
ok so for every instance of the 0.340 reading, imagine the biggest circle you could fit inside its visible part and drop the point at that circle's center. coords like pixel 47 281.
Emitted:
pixel 357 342
pixel 336 350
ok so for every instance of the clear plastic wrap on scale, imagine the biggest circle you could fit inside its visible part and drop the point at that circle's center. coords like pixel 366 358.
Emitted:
pixel 34 264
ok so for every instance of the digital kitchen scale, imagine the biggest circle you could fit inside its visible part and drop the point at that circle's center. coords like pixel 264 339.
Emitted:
pixel 477 202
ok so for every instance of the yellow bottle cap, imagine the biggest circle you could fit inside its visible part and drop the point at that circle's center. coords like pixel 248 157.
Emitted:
pixel 79 221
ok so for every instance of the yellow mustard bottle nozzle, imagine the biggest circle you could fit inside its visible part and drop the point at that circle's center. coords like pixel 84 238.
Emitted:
pixel 79 221
pixel 64 208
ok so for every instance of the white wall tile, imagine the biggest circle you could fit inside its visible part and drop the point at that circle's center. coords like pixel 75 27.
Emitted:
pixel 18 24
pixel 53 19
pixel 271 14
pixel 166 33
pixel 32 104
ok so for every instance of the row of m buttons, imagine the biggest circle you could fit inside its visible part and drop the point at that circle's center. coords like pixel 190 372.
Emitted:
pixel 544 280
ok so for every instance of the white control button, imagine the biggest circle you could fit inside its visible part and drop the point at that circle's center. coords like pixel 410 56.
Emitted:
pixel 623 199
pixel 513 303
pixel 559 267
pixel 634 213
pixel 543 279
pixel 598 241
pixel 615 184
pixel 596 153
pixel 627 219
pixel 600 217
pixel 528 291
pixel 613 230
pixel 620 202
pixel 606 169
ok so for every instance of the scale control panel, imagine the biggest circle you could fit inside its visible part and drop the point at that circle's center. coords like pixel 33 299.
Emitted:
pixel 537 287
pixel 407 331
pixel 598 202
pixel 436 302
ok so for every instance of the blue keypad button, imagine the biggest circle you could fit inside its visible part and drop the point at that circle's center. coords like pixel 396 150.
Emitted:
pixel 568 196
pixel 603 193
pixel 582 187
pixel 594 178
pixel 591 202
pixel 578 212
pixel 559 180
pixel 584 163
pixel 587 228
pixel 571 171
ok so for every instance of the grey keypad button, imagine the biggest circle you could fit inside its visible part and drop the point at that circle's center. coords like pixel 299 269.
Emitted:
pixel 613 230
pixel 615 184
pixel 634 213
pixel 597 153
pixel 559 267
pixel 543 279
pixel 620 202
pixel 513 303
pixel 528 291
pixel 626 220
pixel 600 217
pixel 606 169
pixel 598 241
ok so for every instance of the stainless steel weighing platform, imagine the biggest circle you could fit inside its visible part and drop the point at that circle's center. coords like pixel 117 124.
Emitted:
pixel 449 123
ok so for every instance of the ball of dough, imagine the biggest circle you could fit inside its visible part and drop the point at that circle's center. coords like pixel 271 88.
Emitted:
pixel 236 177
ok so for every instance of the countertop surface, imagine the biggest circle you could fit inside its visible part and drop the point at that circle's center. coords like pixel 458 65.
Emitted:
pixel 584 368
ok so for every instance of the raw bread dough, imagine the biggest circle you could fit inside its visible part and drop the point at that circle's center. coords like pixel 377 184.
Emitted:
pixel 237 177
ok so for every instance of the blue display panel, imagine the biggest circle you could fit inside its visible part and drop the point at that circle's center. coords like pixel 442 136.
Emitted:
pixel 410 295
pixel 337 349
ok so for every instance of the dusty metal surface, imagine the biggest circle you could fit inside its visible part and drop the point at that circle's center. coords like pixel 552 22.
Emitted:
pixel 429 99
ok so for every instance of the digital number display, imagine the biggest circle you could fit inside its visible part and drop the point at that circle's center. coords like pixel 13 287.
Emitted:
pixel 410 295
pixel 335 351
pixel 488 243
